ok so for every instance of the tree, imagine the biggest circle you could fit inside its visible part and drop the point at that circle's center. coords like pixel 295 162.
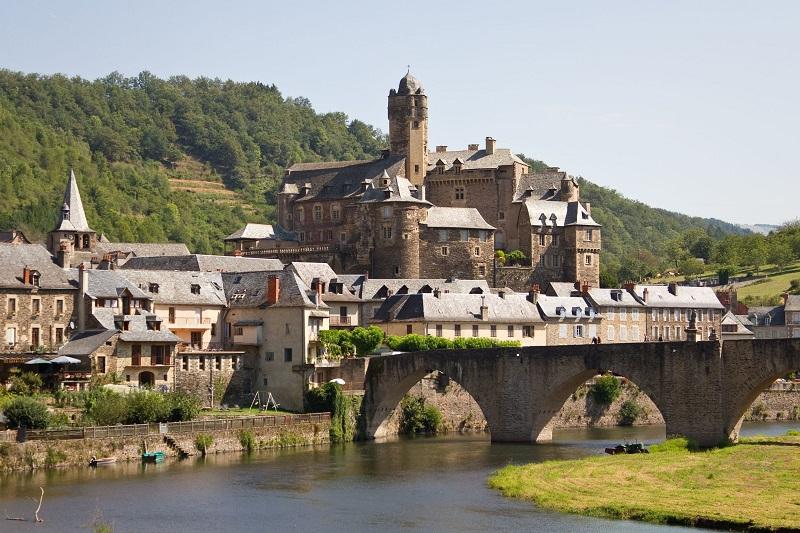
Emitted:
pixel 26 412
pixel 780 254
pixel 691 268
pixel 366 339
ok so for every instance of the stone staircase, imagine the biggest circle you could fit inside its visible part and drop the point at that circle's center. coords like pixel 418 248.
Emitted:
pixel 174 445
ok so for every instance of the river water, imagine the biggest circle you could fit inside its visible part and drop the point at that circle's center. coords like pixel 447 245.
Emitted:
pixel 431 484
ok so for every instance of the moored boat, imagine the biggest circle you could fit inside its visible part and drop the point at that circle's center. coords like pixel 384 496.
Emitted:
pixel 154 457
pixel 94 461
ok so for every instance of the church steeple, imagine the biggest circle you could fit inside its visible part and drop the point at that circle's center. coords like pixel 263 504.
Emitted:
pixel 72 232
pixel 408 127
pixel 73 217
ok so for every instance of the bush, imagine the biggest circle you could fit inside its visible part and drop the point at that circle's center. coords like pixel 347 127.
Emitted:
pixel 629 412
pixel 366 339
pixel 26 383
pixel 418 343
pixel 104 407
pixel 58 420
pixel 606 389
pixel 182 406
pixel 54 457
pixel 321 399
pixel 247 440
pixel 417 417
pixel 147 407
pixel 26 412
pixel 515 258
pixel 203 442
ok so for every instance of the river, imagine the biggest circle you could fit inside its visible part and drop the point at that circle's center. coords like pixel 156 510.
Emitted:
pixel 432 484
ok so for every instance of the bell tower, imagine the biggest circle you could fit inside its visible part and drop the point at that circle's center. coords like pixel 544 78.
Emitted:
pixel 408 127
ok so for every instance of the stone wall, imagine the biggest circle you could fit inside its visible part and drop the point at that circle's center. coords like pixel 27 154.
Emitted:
pixel 225 374
pixel 461 259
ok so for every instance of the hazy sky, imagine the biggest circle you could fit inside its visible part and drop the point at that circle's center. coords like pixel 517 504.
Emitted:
pixel 690 106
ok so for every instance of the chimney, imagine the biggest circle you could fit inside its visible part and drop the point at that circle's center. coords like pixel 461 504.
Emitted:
pixel 437 292
pixel 785 297
pixel 484 309
pixel 64 254
pixel 533 293
pixel 502 294
pixel 585 288
pixel 489 145
pixel 644 294
pixel 629 286
pixel 473 147
pixel 26 275
pixel 673 288
pixel 83 286
pixel 441 148
pixel 273 290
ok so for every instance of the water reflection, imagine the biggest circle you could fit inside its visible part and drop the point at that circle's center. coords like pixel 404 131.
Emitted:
pixel 436 484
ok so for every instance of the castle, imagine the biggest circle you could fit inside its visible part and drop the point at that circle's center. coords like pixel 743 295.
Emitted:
pixel 441 214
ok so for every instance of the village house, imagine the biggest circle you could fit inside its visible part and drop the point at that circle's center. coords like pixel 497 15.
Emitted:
pixel 669 308
pixel 768 322
pixel 258 236
pixel 13 236
pixel 504 316
pixel 568 319
pixel 791 308
pixel 734 327
pixel 335 290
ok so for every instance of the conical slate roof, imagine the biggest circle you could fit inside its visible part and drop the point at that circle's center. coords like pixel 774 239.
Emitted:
pixel 73 217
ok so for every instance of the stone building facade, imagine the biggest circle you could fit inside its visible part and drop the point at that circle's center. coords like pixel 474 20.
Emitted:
pixel 370 216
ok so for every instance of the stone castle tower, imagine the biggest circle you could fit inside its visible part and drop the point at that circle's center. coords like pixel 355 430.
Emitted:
pixel 408 127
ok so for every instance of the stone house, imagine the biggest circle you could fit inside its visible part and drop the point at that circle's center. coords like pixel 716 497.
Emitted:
pixel 734 327
pixel 504 316
pixel 768 322
pixel 276 319
pixel 669 308
pixel 37 299
pixel 258 236
pixel 791 308
pixel 335 290
pixel 568 319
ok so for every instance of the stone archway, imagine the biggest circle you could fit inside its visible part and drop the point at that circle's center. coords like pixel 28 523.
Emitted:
pixel 147 379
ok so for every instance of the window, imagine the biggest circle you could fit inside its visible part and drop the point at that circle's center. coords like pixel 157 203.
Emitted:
pixel 676 313
pixel 171 314
pixel 562 331
pixel 510 331
pixel 610 313
pixel 213 329
pixel 477 251
pixel 36 306
pixel 634 314
pixel 185 362
pixel 475 330
pixel 59 335
pixel 302 236
pixel 501 215
pixel 387 211
pixel 611 334
pixel 483 235
pixel 416 169
pixel 195 288
pixel 59 307
pixel 588 259
pixel 265 381
pixel 654 315
pixel 445 250
pixel 202 362
pixel 317 213
pixel 463 235
pixel 159 355
pixel 136 354
pixel 635 333
pixel 387 232
pixel 578 333
pixel 589 235
pixel 459 190
pixel 269 356
pixel 12 306
pixel 623 313
pixel 493 331
pixel 623 333
pixel 218 362
pixel 554 240
pixel 287 355
pixel 527 331
pixel 301 215
pixel 238 330
pixel 457 329
pixel 443 236
pixel 678 332
pixel 482 270
pixel 438 330
pixel 396 270
pixel 287 329
pixel 35 336
pixel 153 288
pixel 409 329
pixel 655 333
pixel 343 237
pixel 11 336
pixel 336 213
pixel 235 362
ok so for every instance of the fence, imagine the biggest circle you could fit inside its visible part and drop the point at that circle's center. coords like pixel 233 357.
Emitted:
pixel 143 430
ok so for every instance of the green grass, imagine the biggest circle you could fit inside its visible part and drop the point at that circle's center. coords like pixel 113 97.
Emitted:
pixel 776 284
pixel 755 484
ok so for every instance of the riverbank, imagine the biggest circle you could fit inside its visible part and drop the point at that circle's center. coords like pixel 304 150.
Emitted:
pixel 751 486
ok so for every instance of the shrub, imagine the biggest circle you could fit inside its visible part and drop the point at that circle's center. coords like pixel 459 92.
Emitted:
pixel 606 389
pixel 247 440
pixel 26 383
pixel 54 457
pixel 629 412
pixel 104 407
pixel 417 417
pixel 147 407
pixel 418 343
pixel 182 406
pixel 366 339
pixel 203 442
pixel 321 399
pixel 26 412
pixel 515 258
pixel 58 420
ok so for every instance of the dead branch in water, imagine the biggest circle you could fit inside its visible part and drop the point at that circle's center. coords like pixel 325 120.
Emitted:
pixel 35 513
pixel 39 508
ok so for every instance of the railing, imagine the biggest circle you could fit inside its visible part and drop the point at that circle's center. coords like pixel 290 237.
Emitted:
pixel 173 321
pixel 8 436
pixel 141 430
pixel 339 320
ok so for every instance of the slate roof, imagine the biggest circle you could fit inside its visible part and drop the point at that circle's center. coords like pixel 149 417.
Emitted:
pixel 687 297
pixel 75 217
pixel 338 179
pixel 570 306
pixel 452 307
pixel 86 342
pixel 203 263
pixel 543 185
pixel 249 289
pixel 259 232
pixel 174 287
pixel 556 213
pixel 767 316
pixel 730 319
pixel 604 297
pixel 792 302
pixel 143 249
pixel 456 217
pixel 308 271
pixel 370 289
pixel 15 257
pixel 108 284
pixel 474 159
pixel 9 236
pixel 386 189
pixel 409 85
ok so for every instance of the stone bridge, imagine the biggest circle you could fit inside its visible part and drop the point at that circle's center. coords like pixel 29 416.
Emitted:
pixel 702 389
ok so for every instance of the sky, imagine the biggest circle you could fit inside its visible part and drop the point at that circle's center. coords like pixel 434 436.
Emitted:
pixel 684 105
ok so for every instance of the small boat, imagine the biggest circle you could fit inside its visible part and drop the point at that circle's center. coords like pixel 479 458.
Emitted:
pixel 154 457
pixel 94 461
pixel 620 449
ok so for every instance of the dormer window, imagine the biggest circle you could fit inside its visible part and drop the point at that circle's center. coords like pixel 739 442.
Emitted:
pixel 440 166
pixel 153 288
pixel 561 311
pixel 35 277
pixel 195 288
pixel 457 166
pixel 576 311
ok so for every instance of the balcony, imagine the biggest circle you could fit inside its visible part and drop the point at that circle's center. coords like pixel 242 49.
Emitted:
pixel 189 323
pixel 341 321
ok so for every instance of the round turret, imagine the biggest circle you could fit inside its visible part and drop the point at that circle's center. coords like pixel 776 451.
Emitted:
pixel 409 85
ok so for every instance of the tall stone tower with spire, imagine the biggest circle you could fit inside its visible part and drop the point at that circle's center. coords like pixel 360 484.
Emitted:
pixel 72 237
pixel 408 127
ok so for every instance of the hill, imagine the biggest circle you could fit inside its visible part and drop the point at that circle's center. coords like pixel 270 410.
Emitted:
pixel 192 160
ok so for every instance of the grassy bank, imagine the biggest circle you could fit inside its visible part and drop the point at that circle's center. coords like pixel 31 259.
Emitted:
pixel 752 486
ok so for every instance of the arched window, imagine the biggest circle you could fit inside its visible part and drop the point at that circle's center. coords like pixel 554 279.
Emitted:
pixel 86 241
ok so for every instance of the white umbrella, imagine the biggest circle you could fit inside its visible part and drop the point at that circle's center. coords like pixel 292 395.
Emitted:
pixel 65 360
pixel 340 381
pixel 37 361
